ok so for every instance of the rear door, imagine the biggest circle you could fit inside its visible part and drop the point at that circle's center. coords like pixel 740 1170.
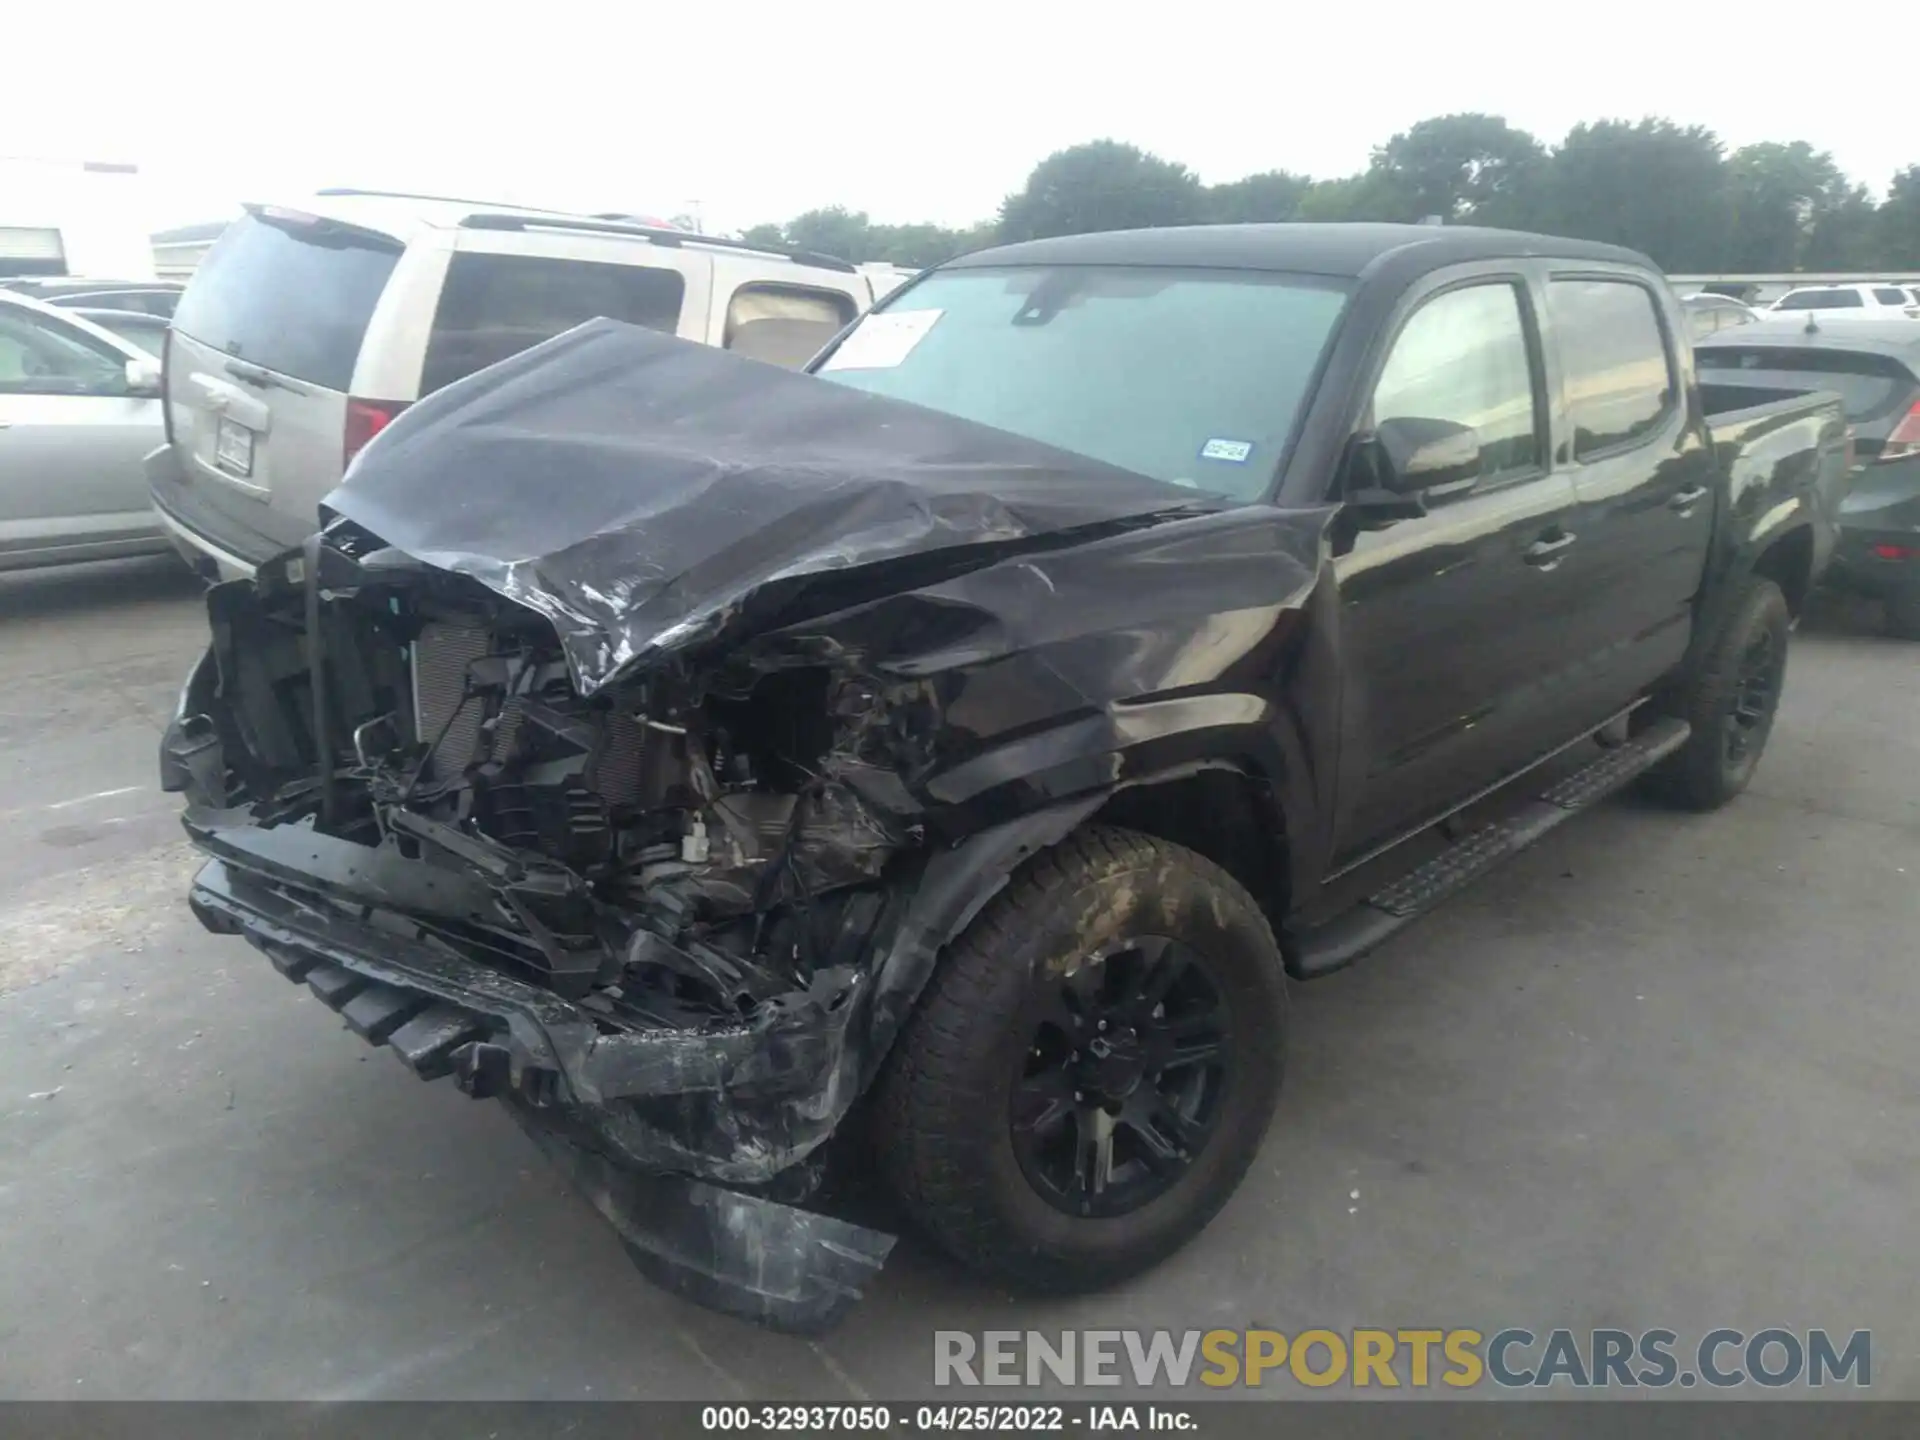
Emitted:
pixel 1454 621
pixel 1643 473
pixel 260 364
pixel 71 437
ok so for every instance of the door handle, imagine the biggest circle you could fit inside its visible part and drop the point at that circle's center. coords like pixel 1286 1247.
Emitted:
pixel 1544 553
pixel 1686 499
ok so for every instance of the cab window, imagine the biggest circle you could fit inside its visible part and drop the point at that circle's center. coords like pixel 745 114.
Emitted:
pixel 1617 377
pixel 1463 356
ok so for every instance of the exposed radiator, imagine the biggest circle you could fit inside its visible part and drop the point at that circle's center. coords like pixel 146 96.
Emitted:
pixel 443 712
pixel 614 773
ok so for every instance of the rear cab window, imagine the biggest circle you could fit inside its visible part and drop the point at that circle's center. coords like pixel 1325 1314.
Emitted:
pixel 493 306
pixel 1616 372
pixel 291 293
pixel 1871 387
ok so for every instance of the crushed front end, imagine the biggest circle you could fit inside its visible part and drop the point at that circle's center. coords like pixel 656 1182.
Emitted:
pixel 651 921
pixel 642 725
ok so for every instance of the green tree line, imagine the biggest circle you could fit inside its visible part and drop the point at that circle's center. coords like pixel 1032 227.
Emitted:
pixel 1675 192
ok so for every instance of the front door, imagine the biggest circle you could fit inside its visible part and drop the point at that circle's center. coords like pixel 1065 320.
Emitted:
pixel 1452 623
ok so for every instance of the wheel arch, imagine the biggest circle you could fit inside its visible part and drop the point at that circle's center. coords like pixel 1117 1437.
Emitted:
pixel 1787 560
pixel 1221 811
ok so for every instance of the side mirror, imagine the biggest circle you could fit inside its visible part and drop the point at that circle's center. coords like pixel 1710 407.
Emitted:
pixel 1414 454
pixel 143 377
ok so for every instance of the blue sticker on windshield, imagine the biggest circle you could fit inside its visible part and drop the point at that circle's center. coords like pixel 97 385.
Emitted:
pixel 1236 451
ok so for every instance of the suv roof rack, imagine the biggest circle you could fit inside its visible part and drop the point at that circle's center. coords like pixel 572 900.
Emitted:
pixel 653 233
pixel 337 190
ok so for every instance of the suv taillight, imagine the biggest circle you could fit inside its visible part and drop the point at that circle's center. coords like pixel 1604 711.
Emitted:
pixel 366 419
pixel 1904 442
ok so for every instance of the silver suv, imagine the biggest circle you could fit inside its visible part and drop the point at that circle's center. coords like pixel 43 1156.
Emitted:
pixel 306 329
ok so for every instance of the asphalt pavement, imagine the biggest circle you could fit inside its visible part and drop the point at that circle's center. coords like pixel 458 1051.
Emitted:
pixel 1659 1071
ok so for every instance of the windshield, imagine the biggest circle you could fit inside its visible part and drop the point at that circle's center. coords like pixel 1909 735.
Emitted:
pixel 1189 376
pixel 294 297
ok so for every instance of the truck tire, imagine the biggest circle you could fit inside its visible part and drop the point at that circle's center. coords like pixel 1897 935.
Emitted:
pixel 1093 1067
pixel 1903 614
pixel 1729 700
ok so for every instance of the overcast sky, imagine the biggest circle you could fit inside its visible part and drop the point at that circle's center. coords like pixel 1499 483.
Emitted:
pixel 758 111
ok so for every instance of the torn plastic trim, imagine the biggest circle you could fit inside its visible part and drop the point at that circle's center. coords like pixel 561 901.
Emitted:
pixel 955 887
pixel 789 1269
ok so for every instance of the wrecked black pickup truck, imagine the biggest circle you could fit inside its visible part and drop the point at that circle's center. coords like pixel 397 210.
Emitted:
pixel 938 761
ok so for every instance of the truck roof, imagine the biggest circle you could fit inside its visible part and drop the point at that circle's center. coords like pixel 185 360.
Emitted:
pixel 1344 250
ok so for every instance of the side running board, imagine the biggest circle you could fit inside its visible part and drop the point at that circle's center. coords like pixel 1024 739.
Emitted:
pixel 1348 936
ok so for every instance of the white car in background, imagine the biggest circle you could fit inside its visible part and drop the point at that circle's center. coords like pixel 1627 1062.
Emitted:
pixel 79 409
pixel 1848 302
pixel 309 326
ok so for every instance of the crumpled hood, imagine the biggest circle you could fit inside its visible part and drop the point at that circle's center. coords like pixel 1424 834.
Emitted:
pixel 647 494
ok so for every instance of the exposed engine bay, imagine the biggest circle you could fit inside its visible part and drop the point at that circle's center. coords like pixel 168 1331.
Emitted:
pixel 670 851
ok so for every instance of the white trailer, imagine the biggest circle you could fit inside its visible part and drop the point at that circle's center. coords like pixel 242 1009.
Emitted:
pixel 73 218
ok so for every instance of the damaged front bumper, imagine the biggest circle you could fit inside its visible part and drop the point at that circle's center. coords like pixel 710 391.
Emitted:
pixel 690 1143
pixel 603 1107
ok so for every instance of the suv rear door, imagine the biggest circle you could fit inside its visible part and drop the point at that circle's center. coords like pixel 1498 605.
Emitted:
pixel 261 360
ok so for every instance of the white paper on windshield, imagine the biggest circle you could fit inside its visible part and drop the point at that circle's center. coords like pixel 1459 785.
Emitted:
pixel 882 341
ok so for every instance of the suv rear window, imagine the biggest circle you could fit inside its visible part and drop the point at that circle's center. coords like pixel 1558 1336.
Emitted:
pixel 494 306
pixel 1618 383
pixel 1890 296
pixel 294 296
pixel 1822 300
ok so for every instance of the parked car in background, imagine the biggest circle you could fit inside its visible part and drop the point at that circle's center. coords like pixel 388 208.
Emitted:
pixel 79 410
pixel 1708 314
pixel 149 332
pixel 308 328
pixel 1849 302
pixel 1876 371
pixel 147 297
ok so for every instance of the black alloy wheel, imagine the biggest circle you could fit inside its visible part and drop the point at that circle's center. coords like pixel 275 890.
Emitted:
pixel 1756 695
pixel 1122 1080
pixel 1092 1066
pixel 1728 696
